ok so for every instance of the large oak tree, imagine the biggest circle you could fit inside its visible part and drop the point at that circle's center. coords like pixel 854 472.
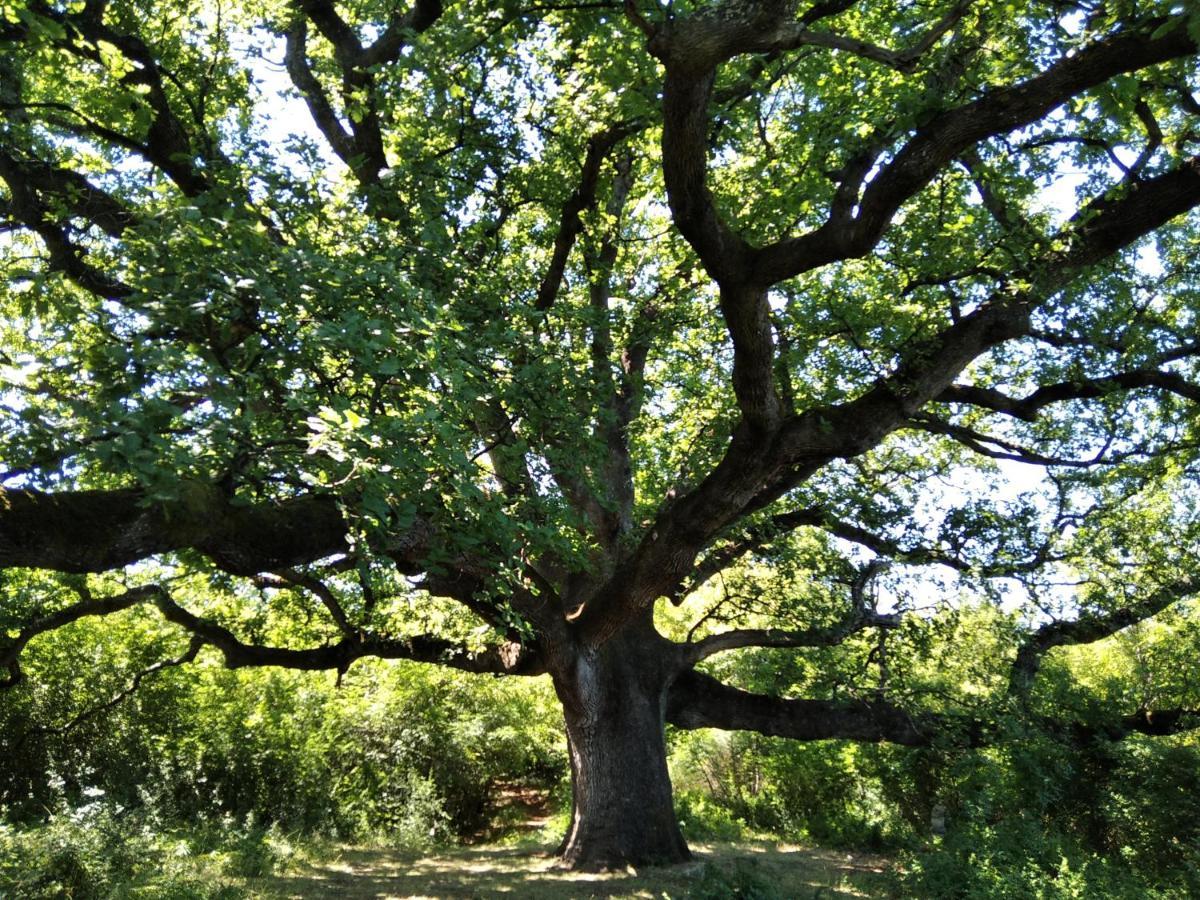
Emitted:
pixel 557 311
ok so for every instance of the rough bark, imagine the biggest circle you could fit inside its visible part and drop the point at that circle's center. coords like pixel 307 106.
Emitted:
pixel 614 699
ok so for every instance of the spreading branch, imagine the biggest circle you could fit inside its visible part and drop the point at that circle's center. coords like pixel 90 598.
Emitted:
pixel 357 136
pixel 697 700
pixel 830 636
pixel 507 659
pixel 1027 408
pixel 757 468
pixel 1088 628
pixel 10 652
pixel 951 133
pixel 96 531
pixel 700 701
pixel 318 588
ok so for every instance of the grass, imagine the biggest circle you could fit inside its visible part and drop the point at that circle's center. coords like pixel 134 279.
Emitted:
pixel 750 869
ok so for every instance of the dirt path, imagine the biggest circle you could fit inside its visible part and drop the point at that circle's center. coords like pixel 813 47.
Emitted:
pixel 530 873
pixel 517 810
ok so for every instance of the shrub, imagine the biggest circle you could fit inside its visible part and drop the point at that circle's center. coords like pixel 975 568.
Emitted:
pixel 703 819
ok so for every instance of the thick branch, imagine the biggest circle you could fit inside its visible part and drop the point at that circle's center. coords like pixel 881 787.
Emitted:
pixel 65 255
pixel 70 191
pixel 952 132
pixel 756 469
pixel 700 701
pixel 95 531
pixel 1156 723
pixel 360 145
pixel 296 58
pixel 386 48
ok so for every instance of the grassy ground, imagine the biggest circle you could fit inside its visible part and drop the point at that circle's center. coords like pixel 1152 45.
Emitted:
pixel 531 874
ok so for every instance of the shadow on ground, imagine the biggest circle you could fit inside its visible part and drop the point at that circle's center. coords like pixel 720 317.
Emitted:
pixel 532 874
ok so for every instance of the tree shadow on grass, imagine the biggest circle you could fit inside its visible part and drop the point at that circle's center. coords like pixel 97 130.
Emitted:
pixel 533 874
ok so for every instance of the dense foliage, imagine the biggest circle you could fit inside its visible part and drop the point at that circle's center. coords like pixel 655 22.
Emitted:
pixel 821 371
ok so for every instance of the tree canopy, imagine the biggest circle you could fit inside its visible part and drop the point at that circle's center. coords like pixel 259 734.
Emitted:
pixel 475 334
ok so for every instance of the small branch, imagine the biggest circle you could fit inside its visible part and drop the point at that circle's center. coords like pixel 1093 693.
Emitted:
pixel 796 36
pixel 1087 629
pixel 599 145
pixel 635 16
pixel 616 472
pixel 10 652
pixel 998 448
pixel 1027 408
pixel 510 658
pixel 188 656
pixel 322 592
pixel 862 615
pixel 773 637
pixel 1008 218
pixel 166 144
pixel 760 537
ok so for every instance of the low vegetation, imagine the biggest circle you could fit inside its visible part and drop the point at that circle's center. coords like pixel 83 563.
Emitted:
pixel 400 780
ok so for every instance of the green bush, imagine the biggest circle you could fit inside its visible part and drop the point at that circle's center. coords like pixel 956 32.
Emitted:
pixel 1041 820
pixel 105 852
pixel 1021 861
pixel 826 792
pixel 1151 809
pixel 397 753
pixel 703 819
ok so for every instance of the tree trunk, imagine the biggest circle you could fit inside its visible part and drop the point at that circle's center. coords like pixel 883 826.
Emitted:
pixel 613 702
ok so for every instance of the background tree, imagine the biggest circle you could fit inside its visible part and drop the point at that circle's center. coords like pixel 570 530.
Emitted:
pixel 550 312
